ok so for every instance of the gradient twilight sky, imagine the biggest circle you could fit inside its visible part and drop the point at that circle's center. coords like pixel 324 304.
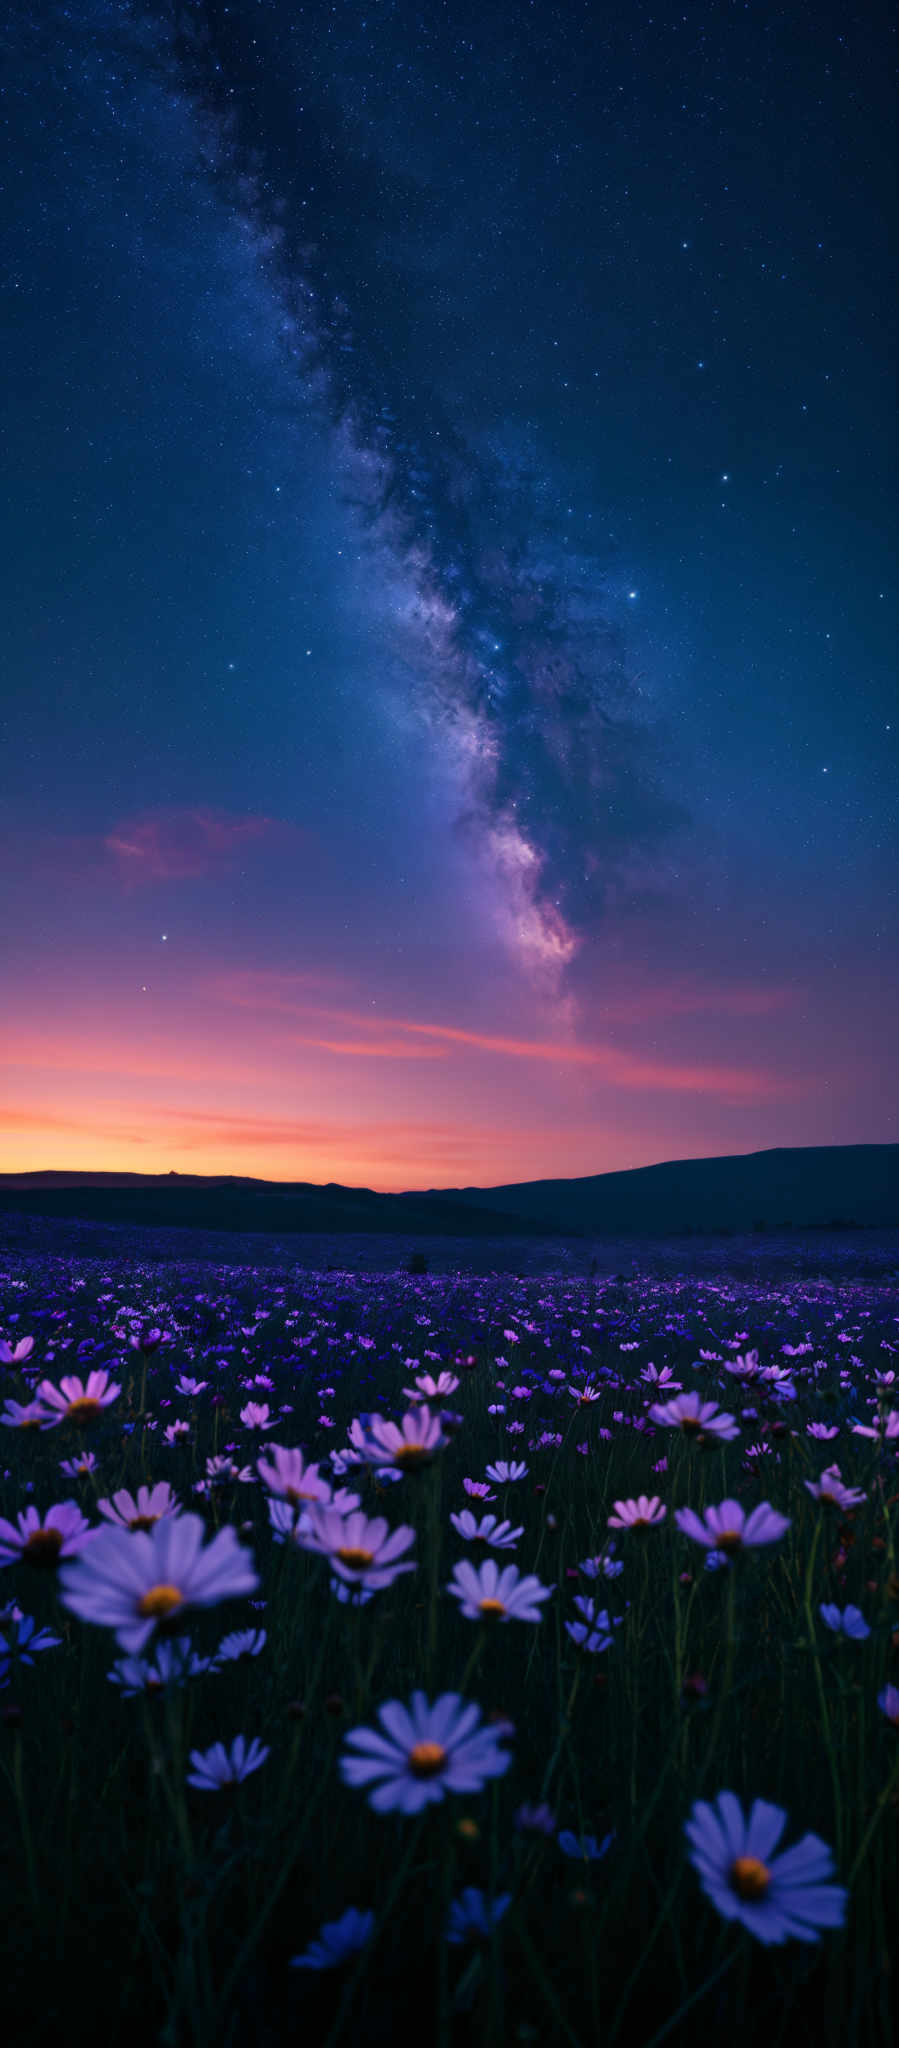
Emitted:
pixel 448 708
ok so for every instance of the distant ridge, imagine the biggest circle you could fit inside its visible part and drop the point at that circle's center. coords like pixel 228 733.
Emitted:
pixel 803 1187
pixel 231 1202
pixel 800 1187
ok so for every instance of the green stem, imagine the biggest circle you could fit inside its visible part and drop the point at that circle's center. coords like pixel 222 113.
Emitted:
pixel 862 1850
pixel 25 1823
pixel 693 1999
pixel 387 1908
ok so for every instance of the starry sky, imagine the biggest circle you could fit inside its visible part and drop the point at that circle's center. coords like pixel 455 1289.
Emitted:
pixel 448 723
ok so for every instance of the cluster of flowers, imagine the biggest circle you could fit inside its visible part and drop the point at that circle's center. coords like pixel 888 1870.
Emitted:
pixel 148 1567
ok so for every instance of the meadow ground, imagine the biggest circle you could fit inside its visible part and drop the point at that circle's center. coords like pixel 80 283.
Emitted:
pixel 642 1521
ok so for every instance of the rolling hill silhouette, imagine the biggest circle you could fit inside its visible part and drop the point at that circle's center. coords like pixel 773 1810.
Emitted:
pixel 810 1187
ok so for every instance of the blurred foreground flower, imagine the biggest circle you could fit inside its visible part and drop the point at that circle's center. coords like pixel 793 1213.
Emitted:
pixel 830 1489
pixel 63 1533
pixel 76 1400
pixel 775 1897
pixel 15 1354
pixel 33 1415
pixel 728 1528
pixel 132 1582
pixel 152 1502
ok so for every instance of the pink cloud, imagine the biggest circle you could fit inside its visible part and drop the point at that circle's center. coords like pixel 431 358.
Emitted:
pixel 179 844
pixel 281 995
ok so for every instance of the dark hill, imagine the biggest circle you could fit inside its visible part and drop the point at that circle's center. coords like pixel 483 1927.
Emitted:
pixel 192 1201
pixel 804 1188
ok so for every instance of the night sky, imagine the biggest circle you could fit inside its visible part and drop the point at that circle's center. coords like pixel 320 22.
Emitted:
pixel 448 708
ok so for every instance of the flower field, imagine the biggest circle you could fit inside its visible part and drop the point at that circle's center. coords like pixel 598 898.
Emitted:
pixel 465 1658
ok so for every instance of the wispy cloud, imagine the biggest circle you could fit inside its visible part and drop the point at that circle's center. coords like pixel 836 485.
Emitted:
pixel 610 1063
pixel 180 844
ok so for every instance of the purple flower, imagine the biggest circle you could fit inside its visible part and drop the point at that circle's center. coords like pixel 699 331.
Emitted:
pixel 584 1846
pixel 472 1917
pixel 497 1535
pixel 17 1356
pixel 424 1752
pixel 885 1427
pixel 637 1514
pixel 774 1896
pixel 20 1636
pixel 32 1416
pixel 359 1551
pixel 132 1582
pixel 728 1528
pixel 125 1511
pixel 242 1642
pixel 830 1489
pixel 78 1401
pixel 408 1445
pixel 63 1533
pixel 536 1820
pixel 695 1417
pixel 848 1621
pixel 594 1632
pixel 217 1766
pixel 488 1593
pixel 337 1940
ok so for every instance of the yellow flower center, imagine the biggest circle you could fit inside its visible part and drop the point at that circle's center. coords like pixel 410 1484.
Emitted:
pixel 729 1539
pixel 83 1411
pixel 689 1425
pixel 411 1454
pixel 426 1759
pixel 43 1547
pixel 749 1878
pixel 158 1602
pixel 357 1560
pixel 640 1522
pixel 490 1607
pixel 143 1521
